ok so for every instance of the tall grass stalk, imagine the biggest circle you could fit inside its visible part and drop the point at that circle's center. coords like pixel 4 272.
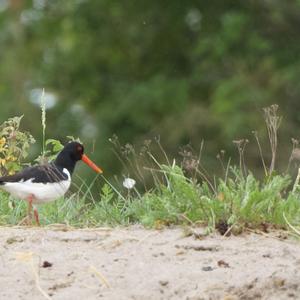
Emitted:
pixel 43 109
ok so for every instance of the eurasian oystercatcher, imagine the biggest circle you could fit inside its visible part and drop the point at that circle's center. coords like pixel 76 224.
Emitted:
pixel 44 183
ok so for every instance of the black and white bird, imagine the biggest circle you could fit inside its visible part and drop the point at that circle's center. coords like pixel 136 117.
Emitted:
pixel 45 183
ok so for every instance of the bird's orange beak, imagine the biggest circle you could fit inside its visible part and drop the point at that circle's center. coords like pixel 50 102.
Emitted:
pixel 86 160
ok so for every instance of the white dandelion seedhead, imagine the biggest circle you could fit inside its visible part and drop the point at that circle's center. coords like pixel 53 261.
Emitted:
pixel 129 183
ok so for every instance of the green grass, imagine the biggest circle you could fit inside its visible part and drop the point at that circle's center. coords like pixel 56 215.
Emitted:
pixel 240 202
pixel 171 194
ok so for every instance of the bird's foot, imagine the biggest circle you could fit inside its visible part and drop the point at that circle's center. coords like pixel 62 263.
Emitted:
pixel 28 219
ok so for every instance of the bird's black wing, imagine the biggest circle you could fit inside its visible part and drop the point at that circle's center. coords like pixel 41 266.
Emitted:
pixel 40 174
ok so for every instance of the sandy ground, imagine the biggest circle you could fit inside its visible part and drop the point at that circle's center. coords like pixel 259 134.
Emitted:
pixel 134 263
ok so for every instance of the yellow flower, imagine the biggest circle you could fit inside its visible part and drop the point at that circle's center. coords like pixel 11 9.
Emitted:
pixel 2 141
pixel 2 161
pixel 11 158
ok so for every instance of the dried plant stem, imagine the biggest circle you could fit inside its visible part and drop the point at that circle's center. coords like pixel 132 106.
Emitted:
pixel 219 158
pixel 162 150
pixel 295 153
pixel 203 172
pixel 205 178
pixel 290 225
pixel 296 184
pixel 227 170
pixel 158 164
pixel 37 282
pixel 100 276
pixel 119 158
pixel 241 145
pixel 260 152
pixel 273 122
pixel 27 257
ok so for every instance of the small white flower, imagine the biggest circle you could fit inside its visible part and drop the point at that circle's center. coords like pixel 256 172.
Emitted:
pixel 129 183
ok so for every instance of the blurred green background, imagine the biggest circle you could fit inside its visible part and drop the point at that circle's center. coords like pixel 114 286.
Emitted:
pixel 184 70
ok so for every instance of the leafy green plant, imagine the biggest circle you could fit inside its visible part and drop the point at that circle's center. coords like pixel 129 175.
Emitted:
pixel 14 145
pixel 52 148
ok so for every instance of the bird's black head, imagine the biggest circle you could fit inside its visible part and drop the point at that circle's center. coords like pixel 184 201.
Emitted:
pixel 74 150
pixel 71 153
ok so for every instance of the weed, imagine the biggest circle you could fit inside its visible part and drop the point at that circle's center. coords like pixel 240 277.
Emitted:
pixel 178 192
pixel 14 145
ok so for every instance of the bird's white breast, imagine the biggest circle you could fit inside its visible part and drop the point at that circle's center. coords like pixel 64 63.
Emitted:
pixel 41 192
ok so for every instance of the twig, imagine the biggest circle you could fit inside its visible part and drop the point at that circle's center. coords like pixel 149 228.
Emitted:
pixel 37 281
pixel 28 257
pixel 100 276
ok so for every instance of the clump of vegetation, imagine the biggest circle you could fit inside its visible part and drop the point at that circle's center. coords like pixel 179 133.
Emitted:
pixel 14 145
pixel 179 193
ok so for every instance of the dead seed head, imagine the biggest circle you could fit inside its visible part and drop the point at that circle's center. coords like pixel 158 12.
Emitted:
pixel 127 150
pixel 114 139
pixel 241 143
pixel 189 162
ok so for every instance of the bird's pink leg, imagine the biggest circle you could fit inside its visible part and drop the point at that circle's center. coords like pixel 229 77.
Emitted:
pixel 28 219
pixel 36 216
pixel 29 199
pixel 35 212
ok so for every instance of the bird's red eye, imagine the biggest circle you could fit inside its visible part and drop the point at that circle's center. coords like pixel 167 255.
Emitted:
pixel 79 148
